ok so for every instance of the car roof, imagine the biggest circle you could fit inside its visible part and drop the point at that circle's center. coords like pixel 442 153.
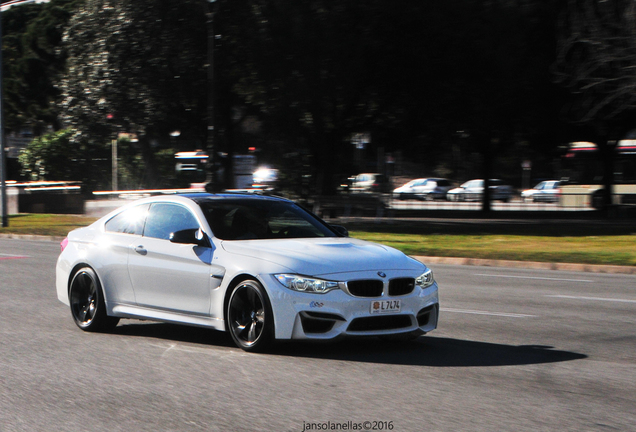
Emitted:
pixel 196 197
pixel 199 197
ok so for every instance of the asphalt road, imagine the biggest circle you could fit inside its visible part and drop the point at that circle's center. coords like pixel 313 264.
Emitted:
pixel 516 350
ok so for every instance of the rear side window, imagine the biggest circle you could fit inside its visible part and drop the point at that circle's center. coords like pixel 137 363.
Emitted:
pixel 129 221
pixel 166 218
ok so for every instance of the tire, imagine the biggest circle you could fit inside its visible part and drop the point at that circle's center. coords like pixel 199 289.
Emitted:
pixel 249 317
pixel 88 307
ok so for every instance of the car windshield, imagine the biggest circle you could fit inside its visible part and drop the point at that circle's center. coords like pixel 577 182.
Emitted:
pixel 256 219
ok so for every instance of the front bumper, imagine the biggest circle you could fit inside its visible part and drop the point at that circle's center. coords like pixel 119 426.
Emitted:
pixel 336 314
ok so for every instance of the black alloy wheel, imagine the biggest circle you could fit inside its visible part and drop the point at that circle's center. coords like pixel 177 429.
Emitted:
pixel 87 302
pixel 250 320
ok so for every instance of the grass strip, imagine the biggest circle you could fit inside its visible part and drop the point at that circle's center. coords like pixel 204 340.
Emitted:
pixel 610 249
pixel 45 224
pixel 605 250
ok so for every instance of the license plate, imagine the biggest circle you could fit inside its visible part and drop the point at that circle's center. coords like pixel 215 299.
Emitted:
pixel 385 306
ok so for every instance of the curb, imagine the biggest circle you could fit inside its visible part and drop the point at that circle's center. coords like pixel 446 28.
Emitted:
pixel 32 237
pixel 592 268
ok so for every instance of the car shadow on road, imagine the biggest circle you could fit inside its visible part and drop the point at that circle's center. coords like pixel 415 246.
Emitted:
pixel 173 332
pixel 431 351
pixel 424 351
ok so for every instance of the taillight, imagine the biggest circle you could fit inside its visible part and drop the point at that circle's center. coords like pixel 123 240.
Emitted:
pixel 63 244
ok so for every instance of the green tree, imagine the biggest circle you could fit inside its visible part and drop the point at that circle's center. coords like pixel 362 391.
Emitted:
pixel 135 67
pixel 53 157
pixel 309 73
pixel 31 37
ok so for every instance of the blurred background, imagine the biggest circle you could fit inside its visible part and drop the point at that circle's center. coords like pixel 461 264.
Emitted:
pixel 315 100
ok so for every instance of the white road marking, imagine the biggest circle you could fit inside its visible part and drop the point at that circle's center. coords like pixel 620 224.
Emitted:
pixel 476 312
pixel 592 298
pixel 537 278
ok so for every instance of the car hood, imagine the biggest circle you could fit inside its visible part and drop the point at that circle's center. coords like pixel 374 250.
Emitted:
pixel 321 256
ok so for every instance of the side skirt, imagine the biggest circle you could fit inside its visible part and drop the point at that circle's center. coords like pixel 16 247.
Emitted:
pixel 136 312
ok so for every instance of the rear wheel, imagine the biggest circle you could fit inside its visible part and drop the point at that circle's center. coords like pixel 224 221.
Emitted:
pixel 250 319
pixel 87 302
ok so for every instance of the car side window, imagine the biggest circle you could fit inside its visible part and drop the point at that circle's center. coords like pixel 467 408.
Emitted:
pixel 166 218
pixel 129 221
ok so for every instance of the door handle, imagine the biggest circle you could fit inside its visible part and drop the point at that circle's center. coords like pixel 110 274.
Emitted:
pixel 141 250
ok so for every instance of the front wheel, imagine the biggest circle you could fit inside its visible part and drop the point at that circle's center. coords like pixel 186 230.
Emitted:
pixel 87 302
pixel 249 315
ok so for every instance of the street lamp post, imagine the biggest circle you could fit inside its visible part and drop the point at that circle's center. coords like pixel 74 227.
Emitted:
pixel 114 165
pixel 212 181
pixel 3 156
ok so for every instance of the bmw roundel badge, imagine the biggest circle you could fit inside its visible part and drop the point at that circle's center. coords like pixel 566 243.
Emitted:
pixel 381 274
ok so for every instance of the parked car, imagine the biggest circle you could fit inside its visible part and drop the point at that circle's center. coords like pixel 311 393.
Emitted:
pixel 260 268
pixel 424 188
pixel 473 190
pixel 545 191
pixel 369 182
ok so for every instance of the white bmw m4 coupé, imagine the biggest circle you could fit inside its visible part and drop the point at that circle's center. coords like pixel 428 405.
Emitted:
pixel 261 268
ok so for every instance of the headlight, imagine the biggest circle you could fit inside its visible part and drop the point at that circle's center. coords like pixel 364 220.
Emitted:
pixel 306 284
pixel 425 280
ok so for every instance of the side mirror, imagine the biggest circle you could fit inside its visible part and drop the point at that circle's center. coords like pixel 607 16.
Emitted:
pixel 339 229
pixel 190 236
